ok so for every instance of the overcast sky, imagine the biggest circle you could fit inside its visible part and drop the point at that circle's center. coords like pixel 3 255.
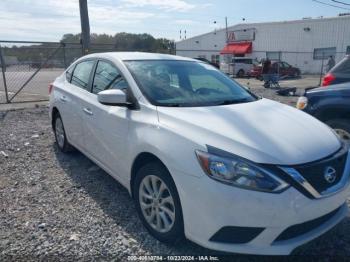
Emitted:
pixel 48 20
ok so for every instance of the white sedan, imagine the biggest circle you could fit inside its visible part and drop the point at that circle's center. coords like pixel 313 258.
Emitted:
pixel 203 157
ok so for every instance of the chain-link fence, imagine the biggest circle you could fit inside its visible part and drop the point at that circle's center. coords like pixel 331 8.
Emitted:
pixel 27 68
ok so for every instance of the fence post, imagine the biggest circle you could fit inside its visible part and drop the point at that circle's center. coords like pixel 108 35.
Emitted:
pixel 64 55
pixel 3 70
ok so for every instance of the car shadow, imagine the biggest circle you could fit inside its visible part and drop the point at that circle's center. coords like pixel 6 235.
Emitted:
pixel 109 194
pixel 117 204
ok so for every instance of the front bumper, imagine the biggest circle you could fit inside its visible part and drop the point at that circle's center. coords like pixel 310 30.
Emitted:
pixel 209 206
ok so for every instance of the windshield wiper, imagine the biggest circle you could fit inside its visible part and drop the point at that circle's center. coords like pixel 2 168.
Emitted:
pixel 172 105
pixel 234 101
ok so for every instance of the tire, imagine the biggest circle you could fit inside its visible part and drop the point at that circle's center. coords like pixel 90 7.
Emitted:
pixel 341 127
pixel 240 73
pixel 60 135
pixel 151 211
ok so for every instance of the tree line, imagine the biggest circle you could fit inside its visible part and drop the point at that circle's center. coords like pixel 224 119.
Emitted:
pixel 70 47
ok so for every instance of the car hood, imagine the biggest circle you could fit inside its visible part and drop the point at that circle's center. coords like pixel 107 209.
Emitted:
pixel 263 131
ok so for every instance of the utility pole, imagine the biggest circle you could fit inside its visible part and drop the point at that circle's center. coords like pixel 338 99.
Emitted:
pixel 85 26
pixel 226 30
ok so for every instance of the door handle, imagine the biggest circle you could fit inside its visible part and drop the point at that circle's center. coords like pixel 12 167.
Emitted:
pixel 87 111
pixel 63 99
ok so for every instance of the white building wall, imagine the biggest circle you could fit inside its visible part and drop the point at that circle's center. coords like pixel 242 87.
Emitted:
pixel 290 38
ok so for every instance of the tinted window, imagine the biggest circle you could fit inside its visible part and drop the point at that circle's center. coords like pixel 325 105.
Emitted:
pixel 184 83
pixel 243 61
pixel 343 68
pixel 69 73
pixel 106 77
pixel 81 74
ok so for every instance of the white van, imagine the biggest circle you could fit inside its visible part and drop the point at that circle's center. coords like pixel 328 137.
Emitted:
pixel 237 66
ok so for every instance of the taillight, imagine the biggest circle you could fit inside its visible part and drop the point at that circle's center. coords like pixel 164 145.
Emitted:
pixel 328 79
pixel 50 88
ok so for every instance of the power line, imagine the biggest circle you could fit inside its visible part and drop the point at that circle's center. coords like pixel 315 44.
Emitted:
pixel 340 2
pixel 323 3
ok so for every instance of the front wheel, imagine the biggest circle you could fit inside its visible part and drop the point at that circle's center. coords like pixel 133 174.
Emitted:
pixel 342 128
pixel 158 203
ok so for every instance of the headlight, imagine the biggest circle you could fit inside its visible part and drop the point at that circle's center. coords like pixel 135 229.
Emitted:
pixel 302 102
pixel 240 173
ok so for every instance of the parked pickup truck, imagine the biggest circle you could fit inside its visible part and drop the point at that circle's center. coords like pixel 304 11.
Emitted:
pixel 330 105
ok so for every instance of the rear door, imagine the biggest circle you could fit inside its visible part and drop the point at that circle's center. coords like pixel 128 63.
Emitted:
pixel 106 127
pixel 76 88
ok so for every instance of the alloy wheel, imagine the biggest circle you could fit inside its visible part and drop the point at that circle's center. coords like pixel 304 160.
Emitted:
pixel 59 132
pixel 157 203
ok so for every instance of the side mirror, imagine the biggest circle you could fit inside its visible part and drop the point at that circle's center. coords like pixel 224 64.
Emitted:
pixel 113 97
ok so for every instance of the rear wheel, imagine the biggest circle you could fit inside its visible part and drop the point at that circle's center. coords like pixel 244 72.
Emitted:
pixel 158 203
pixel 60 134
pixel 342 128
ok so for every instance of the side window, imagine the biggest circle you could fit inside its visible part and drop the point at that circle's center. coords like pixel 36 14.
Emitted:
pixel 69 73
pixel 81 74
pixel 106 77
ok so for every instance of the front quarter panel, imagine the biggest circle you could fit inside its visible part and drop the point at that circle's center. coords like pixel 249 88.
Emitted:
pixel 175 151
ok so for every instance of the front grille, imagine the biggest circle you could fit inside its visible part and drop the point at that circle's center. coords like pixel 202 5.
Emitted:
pixel 301 229
pixel 314 173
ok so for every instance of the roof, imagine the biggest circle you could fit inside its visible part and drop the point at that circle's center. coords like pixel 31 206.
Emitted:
pixel 237 26
pixel 139 56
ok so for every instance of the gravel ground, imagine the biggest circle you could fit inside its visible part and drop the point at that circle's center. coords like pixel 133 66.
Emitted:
pixel 63 207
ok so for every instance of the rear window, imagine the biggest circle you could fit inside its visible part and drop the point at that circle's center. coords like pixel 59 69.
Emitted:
pixel 342 68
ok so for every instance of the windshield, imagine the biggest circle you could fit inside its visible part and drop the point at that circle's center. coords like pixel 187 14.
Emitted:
pixel 186 83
